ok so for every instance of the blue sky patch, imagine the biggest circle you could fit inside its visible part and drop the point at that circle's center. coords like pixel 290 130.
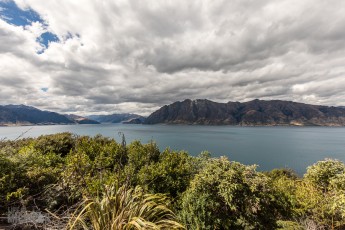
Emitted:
pixel 47 37
pixel 12 14
pixel 44 89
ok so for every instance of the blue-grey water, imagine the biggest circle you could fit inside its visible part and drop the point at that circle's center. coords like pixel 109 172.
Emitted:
pixel 268 147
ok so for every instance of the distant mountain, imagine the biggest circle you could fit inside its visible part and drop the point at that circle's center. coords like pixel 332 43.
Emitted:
pixel 27 115
pixel 139 120
pixel 252 113
pixel 115 118
pixel 80 119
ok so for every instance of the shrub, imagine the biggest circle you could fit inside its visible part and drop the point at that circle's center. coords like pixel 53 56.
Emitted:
pixel 170 175
pixel 322 172
pixel 229 195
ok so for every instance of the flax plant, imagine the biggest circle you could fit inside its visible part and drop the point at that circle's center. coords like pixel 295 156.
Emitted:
pixel 124 209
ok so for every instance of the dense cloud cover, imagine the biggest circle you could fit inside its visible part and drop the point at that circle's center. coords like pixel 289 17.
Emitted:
pixel 135 56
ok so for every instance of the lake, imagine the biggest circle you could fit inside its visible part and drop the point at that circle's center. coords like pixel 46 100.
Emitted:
pixel 268 147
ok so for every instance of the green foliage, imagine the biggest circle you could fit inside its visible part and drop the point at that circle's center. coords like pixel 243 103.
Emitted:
pixel 289 225
pixel 7 175
pixel 57 171
pixel 28 173
pixel 324 208
pixel 322 194
pixel 93 162
pixel 140 156
pixel 322 172
pixel 337 183
pixel 229 195
pixel 61 143
pixel 123 208
pixel 276 174
pixel 170 175
pixel 318 197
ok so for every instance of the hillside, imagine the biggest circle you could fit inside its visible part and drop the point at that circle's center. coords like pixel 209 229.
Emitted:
pixel 116 118
pixel 27 115
pixel 80 120
pixel 252 113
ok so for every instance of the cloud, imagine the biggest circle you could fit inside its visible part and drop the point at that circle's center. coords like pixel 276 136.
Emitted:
pixel 132 56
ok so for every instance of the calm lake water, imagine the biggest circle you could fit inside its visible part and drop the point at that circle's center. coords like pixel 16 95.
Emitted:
pixel 268 147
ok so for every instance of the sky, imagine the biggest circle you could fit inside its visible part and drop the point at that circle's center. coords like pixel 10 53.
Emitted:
pixel 118 56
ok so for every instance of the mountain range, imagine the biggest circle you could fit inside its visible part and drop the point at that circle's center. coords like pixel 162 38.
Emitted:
pixel 201 112
pixel 11 115
pixel 27 115
pixel 252 113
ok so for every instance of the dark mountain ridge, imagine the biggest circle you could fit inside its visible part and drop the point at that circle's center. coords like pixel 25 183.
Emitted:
pixel 252 113
pixel 27 115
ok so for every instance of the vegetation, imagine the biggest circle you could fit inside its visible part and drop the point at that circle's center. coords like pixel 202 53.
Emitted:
pixel 83 182
pixel 123 208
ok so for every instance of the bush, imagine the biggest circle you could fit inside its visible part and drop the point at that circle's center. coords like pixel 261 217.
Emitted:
pixel 229 195
pixel 170 175
pixel 322 172
pixel 60 144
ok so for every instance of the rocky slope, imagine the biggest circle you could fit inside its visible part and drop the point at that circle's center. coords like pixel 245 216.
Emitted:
pixel 252 113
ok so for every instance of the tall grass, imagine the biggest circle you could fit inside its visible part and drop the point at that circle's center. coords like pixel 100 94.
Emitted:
pixel 124 209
